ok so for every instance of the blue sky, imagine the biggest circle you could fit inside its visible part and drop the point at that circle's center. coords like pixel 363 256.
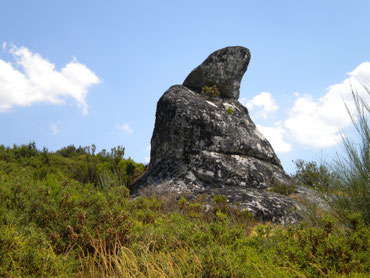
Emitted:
pixel 91 72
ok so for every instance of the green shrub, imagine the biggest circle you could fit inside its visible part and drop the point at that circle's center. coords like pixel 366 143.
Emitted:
pixel 220 203
pixel 60 225
pixel 346 186
pixel 281 188
pixel 314 176
pixel 79 163
pixel 353 167
pixel 219 199
pixel 183 203
pixel 26 252
pixel 229 111
pixel 210 91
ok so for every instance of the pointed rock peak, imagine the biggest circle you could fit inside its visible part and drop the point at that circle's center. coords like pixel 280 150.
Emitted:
pixel 224 68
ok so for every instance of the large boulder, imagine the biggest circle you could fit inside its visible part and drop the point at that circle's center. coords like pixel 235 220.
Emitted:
pixel 224 68
pixel 210 145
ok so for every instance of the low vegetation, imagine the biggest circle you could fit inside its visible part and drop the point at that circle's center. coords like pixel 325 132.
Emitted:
pixel 229 111
pixel 70 214
pixel 210 91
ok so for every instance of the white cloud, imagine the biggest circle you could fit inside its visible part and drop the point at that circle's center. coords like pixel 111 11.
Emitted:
pixel 314 122
pixel 275 135
pixel 126 128
pixel 147 148
pixel 34 79
pixel 317 123
pixel 54 129
pixel 4 46
pixel 362 74
pixel 264 102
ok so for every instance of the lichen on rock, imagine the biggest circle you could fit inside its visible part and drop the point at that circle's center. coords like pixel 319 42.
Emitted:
pixel 199 147
pixel 224 68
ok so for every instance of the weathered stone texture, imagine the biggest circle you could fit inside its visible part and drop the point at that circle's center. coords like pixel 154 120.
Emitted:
pixel 198 146
pixel 224 68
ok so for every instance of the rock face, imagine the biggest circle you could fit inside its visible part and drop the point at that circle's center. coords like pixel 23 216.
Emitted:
pixel 211 145
pixel 223 68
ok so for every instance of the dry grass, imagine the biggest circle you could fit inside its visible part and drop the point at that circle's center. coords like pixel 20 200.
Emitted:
pixel 123 262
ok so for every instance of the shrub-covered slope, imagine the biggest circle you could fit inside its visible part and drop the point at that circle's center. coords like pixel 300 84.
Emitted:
pixel 69 214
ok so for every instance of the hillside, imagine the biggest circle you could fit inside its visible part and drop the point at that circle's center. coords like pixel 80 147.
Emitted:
pixel 69 214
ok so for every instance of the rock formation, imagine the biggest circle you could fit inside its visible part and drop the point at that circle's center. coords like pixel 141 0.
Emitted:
pixel 210 145
pixel 224 68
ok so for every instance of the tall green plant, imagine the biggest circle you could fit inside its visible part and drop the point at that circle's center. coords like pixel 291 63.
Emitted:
pixel 353 167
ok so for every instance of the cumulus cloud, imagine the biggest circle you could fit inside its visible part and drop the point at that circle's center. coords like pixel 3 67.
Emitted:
pixel 126 128
pixel 275 135
pixel 33 79
pixel 313 122
pixel 147 148
pixel 54 129
pixel 263 102
pixel 317 123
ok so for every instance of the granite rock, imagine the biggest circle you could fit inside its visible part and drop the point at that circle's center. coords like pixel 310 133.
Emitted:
pixel 210 145
pixel 223 68
pixel 198 147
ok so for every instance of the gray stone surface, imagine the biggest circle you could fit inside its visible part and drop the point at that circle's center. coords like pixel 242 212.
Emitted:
pixel 199 147
pixel 223 68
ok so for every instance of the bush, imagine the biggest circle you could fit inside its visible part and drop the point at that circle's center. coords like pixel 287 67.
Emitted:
pixel 346 186
pixel 27 252
pixel 353 168
pixel 210 91
pixel 281 188
pixel 314 176
pixel 80 164
pixel 63 226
